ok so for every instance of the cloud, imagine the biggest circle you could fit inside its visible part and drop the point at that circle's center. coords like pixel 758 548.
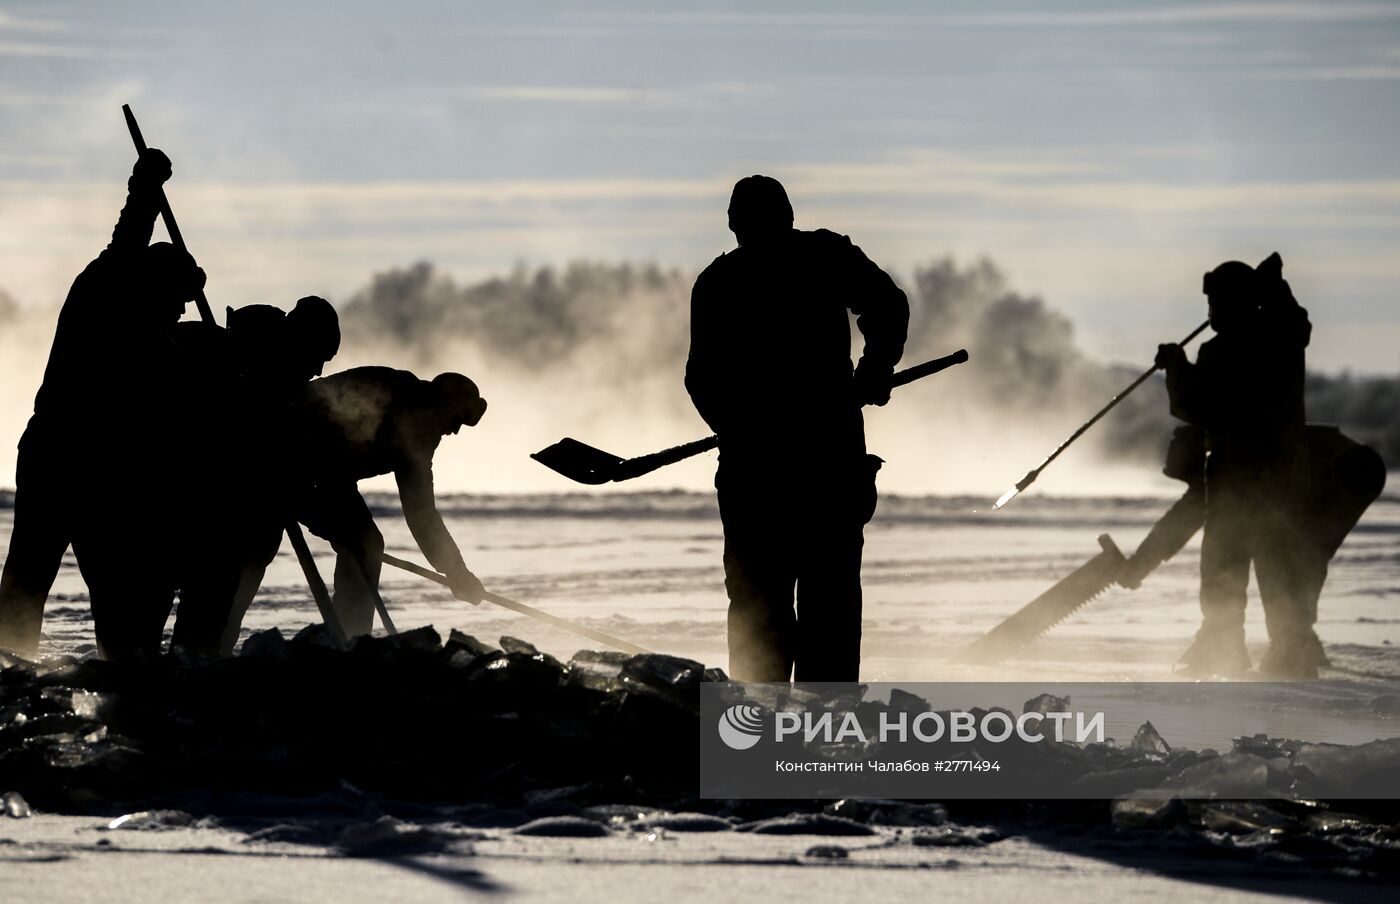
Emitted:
pixel 1106 17
pixel 1037 182
pixel 38 160
pixel 1375 73
pixel 20 99
pixel 568 94
pixel 12 22
pixel 48 50
pixel 699 94
pixel 1077 229
pixel 1238 13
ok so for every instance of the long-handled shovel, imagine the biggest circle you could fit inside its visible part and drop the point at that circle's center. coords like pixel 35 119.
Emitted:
pixel 586 464
pixel 205 312
pixel 506 602
pixel 294 534
pixel 1033 473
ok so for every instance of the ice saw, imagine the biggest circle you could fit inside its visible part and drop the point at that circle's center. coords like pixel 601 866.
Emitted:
pixel 1051 607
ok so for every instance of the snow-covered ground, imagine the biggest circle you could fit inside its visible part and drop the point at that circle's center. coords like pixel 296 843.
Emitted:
pixel 60 859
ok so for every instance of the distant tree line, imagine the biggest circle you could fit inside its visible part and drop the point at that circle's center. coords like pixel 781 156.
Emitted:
pixel 614 322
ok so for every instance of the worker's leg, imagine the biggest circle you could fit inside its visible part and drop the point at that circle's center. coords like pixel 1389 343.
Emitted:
pixel 1219 647
pixel 1292 568
pixel 131 594
pixel 249 582
pixel 211 568
pixel 339 514
pixel 357 565
pixel 832 526
pixel 38 541
pixel 207 593
pixel 759 577
pixel 829 605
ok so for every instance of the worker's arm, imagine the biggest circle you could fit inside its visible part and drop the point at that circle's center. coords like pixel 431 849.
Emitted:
pixel 138 218
pixel 705 378
pixel 420 510
pixel 1186 391
pixel 882 316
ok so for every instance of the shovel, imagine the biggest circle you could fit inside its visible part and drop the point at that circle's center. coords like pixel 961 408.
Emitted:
pixel 586 464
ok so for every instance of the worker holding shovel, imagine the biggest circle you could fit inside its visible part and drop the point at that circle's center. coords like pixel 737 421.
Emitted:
pixel 770 372
pixel 366 422
pixel 103 422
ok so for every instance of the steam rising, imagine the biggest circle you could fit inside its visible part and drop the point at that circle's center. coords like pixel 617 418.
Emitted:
pixel 597 351
pixel 621 322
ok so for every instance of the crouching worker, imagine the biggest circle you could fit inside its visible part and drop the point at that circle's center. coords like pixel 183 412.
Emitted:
pixel 257 370
pixel 366 422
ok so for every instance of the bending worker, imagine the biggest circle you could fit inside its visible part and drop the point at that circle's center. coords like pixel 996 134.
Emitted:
pixel 366 422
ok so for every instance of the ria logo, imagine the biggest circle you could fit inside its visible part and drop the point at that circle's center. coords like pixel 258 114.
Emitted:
pixel 740 726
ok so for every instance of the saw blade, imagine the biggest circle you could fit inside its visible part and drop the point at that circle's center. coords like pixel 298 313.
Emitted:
pixel 1050 608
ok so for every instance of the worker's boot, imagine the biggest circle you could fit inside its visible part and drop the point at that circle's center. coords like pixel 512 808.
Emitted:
pixel 1294 654
pixel 1217 652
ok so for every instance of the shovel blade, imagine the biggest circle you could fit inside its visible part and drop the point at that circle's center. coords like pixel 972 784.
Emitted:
pixel 579 462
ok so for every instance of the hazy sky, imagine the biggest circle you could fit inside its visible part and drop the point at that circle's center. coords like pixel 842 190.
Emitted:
pixel 1106 154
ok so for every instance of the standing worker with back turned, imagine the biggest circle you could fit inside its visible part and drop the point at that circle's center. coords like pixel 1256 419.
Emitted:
pixel 770 372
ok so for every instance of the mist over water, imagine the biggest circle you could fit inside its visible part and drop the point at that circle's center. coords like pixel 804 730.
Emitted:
pixel 25 336
pixel 597 351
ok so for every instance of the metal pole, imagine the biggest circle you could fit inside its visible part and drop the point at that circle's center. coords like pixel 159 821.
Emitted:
pixel 506 602
pixel 1033 473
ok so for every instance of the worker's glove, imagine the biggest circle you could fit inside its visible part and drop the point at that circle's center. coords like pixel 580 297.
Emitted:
pixel 1134 570
pixel 872 383
pixel 1170 356
pixel 153 167
pixel 467 587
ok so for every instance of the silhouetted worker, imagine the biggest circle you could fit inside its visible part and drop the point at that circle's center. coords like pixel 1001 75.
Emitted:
pixel 362 423
pixel 1345 477
pixel 238 497
pixel 277 352
pixel 770 372
pixel 1246 392
pixel 103 424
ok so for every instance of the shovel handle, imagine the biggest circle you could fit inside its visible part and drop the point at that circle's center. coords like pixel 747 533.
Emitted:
pixel 205 312
pixel 929 368
pixel 636 467
pixel 507 603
